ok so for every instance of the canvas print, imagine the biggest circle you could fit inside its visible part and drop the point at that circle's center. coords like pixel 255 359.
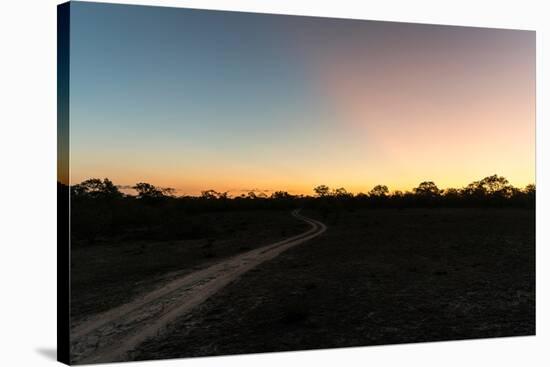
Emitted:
pixel 234 182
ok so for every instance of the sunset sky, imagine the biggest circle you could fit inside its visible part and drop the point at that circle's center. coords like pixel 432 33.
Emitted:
pixel 229 101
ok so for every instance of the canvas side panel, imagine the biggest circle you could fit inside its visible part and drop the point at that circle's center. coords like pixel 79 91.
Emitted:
pixel 63 199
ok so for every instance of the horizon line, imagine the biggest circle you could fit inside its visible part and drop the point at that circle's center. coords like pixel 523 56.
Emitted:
pixel 239 192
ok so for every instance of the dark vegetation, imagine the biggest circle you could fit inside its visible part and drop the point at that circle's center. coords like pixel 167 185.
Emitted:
pixel 115 269
pixel 377 276
pixel 100 209
pixel 123 245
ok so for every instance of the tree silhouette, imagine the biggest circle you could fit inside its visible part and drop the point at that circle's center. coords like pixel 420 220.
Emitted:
pixel 100 209
pixel 530 189
pixel 341 193
pixel 322 190
pixel 427 189
pixel 452 193
pixel 148 191
pixel 379 191
pixel 530 193
pixel 95 188
pixel 210 194
pixel 278 195
pixel 495 186
pixel 397 194
pixel 93 204
pixel 168 191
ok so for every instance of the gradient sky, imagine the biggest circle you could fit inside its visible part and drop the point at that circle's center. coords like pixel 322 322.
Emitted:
pixel 196 99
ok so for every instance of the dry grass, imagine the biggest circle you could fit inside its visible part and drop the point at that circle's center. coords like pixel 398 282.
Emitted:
pixel 113 271
pixel 375 277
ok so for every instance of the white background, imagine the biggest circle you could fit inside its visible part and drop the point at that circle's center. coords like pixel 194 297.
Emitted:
pixel 28 176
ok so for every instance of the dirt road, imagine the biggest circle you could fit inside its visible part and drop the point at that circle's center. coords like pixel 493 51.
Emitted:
pixel 112 335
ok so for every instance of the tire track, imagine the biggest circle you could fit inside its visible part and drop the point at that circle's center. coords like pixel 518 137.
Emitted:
pixel 111 335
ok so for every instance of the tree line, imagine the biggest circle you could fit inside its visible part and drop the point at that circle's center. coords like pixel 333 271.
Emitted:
pixel 489 189
pixel 100 208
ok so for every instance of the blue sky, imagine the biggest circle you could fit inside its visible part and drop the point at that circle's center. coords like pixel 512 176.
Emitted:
pixel 197 99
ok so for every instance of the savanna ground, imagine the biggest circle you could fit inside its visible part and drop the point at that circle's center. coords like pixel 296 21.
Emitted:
pixel 117 268
pixel 377 276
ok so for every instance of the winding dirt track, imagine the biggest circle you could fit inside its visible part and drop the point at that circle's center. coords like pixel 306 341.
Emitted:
pixel 112 335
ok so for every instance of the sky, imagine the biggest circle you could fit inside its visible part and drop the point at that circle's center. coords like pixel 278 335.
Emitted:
pixel 196 100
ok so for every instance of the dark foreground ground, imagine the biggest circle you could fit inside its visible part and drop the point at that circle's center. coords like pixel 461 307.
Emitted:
pixel 115 269
pixel 375 277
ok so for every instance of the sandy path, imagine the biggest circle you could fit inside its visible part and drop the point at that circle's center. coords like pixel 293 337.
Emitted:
pixel 111 335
